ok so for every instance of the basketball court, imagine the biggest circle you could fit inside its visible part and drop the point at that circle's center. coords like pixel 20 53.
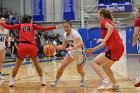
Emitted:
pixel 27 80
pixel 83 14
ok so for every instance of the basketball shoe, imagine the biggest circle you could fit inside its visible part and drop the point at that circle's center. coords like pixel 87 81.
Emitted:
pixel 82 82
pixel 137 83
pixel 54 83
pixel 116 88
pixel 42 81
pixel 105 85
pixel 11 82
pixel 1 77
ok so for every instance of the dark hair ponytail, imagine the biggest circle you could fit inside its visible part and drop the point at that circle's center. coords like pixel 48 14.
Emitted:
pixel 106 13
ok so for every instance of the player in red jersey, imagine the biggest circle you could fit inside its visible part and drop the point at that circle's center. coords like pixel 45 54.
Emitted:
pixel 136 38
pixel 27 45
pixel 114 50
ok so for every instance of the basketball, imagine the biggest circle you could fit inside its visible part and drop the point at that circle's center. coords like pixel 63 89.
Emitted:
pixel 49 49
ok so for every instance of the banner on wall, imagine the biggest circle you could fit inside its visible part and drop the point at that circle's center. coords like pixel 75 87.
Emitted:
pixel 68 9
pixel 116 5
pixel 118 8
pixel 38 10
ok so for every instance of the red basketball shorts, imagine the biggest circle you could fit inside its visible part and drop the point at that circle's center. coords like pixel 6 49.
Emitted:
pixel 114 54
pixel 27 49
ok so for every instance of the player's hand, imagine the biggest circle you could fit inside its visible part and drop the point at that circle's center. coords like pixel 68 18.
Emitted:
pixel 100 40
pixel 90 51
pixel 8 44
pixel 69 48
pixel 133 44
pixel 59 26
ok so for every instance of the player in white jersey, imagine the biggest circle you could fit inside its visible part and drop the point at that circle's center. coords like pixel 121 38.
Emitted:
pixel 4 35
pixel 75 52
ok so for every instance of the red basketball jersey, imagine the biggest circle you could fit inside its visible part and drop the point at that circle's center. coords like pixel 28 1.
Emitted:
pixel 114 40
pixel 26 33
pixel 26 30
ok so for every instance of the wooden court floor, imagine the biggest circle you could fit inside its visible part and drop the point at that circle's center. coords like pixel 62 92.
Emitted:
pixel 27 80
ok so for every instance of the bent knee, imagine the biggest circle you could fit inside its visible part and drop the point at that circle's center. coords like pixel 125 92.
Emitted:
pixel 105 67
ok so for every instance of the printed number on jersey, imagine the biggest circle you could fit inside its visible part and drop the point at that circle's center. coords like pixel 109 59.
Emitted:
pixel 25 29
pixel 2 39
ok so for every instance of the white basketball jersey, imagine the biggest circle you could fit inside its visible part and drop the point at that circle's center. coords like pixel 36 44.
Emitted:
pixel 71 39
pixel 138 45
pixel 3 36
pixel 79 53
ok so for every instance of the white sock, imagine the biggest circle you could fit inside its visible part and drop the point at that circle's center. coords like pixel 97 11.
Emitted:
pixel 106 81
pixel 42 77
pixel 56 80
pixel 13 78
pixel 82 78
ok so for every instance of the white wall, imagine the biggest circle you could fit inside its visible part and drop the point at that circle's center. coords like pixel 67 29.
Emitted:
pixel 28 7
pixel 53 8
pixel 12 5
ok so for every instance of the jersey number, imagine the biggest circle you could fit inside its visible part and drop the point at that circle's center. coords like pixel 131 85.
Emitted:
pixel 1 39
pixel 25 29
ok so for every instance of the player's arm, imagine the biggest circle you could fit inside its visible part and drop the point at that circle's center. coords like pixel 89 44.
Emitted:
pixel 90 51
pixel 63 46
pixel 10 27
pixel 100 46
pixel 136 35
pixel 110 29
pixel 44 28
pixel 79 43
pixel 8 39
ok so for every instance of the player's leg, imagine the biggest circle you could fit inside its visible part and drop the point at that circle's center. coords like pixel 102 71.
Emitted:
pixel 100 59
pixel 67 60
pixel 15 70
pixel 39 70
pixel 32 51
pixel 80 69
pixel 21 54
pixel 106 67
pixel 2 55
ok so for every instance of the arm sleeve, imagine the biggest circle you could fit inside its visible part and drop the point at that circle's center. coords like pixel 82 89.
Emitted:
pixel 137 23
pixel 43 28
pixel 76 35
pixel 103 23
pixel 16 26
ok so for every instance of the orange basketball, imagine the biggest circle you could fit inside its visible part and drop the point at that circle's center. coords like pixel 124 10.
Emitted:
pixel 49 49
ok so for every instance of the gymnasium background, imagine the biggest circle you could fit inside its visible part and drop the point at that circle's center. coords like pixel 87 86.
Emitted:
pixel 83 14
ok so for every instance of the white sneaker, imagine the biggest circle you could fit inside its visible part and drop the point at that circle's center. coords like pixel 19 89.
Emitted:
pixel 82 82
pixel 54 83
pixel 116 88
pixel 11 82
pixel 42 81
pixel 105 85
pixel 1 77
